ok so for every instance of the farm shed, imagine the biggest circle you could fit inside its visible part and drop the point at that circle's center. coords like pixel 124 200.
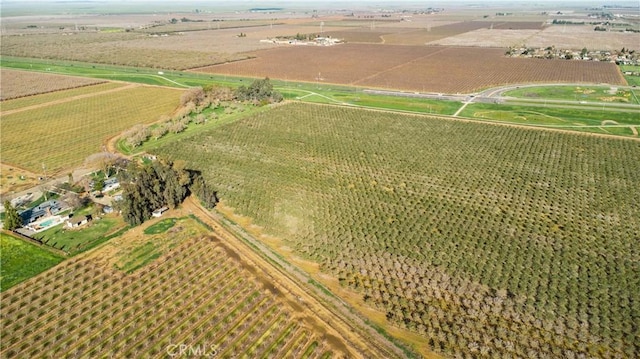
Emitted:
pixel 158 212
pixel 78 220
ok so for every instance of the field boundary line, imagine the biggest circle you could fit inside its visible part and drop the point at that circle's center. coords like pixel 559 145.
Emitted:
pixel 68 99
pixel 555 128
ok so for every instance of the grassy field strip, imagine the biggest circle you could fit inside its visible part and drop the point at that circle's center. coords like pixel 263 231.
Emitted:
pixel 68 99
pixel 164 289
pixel 215 304
pixel 78 308
pixel 22 260
pixel 598 106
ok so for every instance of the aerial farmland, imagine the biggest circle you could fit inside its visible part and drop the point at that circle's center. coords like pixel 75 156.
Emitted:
pixel 319 180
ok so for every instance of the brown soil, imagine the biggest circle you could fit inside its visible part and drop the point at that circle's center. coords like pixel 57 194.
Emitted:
pixel 15 183
pixel 413 68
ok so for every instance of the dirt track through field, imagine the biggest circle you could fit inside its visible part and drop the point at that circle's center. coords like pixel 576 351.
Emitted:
pixel 68 99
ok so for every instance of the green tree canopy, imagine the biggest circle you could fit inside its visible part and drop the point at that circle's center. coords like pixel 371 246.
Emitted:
pixel 12 219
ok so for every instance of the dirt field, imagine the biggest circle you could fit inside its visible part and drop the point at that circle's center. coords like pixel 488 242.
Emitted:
pixel 578 36
pixel 17 84
pixel 14 179
pixel 415 68
pixel 488 38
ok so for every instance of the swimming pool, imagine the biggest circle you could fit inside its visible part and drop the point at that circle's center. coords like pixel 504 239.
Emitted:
pixel 51 221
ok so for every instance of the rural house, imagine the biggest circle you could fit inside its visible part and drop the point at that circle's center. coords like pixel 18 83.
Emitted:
pixel 47 208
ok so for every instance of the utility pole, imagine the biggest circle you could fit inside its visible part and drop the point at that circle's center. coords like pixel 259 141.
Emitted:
pixel 44 168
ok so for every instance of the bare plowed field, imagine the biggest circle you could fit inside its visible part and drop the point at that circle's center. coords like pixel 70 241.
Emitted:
pixel 24 83
pixel 489 38
pixel 428 34
pixel 415 68
pixel 578 37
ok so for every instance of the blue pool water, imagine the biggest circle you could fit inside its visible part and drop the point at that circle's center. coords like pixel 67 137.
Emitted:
pixel 49 222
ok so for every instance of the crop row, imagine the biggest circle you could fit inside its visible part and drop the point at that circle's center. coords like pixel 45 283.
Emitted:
pixel 415 68
pixel 44 135
pixel 542 222
pixel 194 295
pixel 23 83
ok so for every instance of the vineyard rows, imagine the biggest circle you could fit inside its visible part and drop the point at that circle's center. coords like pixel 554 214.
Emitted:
pixel 17 84
pixel 484 239
pixel 195 295
pixel 64 134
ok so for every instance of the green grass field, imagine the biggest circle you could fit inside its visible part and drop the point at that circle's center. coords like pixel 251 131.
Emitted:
pixel 601 120
pixel 631 79
pixel 81 239
pixel 401 208
pixel 20 260
pixel 612 94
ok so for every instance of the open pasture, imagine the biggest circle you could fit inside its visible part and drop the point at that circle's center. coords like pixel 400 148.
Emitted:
pixel 471 235
pixel 22 260
pixel 414 68
pixel 197 294
pixel 61 134
pixel 17 84
pixel 611 94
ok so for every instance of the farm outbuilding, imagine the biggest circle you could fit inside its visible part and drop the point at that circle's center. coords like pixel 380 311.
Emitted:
pixel 158 212
pixel 78 220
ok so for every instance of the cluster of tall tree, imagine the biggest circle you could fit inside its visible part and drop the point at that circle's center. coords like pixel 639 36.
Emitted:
pixel 260 91
pixel 12 219
pixel 147 187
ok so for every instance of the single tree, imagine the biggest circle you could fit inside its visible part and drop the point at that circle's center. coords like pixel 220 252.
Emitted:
pixel 12 219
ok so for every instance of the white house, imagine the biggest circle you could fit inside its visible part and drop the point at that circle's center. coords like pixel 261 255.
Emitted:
pixel 78 220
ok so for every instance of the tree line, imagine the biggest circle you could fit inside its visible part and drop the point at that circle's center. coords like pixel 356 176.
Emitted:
pixel 147 187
